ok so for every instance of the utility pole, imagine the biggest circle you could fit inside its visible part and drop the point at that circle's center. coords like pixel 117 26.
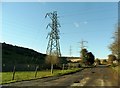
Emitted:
pixel 70 50
pixel 53 43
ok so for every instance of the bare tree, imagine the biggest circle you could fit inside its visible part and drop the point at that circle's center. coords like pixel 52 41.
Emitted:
pixel 115 46
pixel 52 59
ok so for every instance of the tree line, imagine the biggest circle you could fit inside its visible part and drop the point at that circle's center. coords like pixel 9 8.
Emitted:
pixel 115 46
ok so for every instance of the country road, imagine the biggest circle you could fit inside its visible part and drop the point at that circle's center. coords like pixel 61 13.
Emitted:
pixel 98 76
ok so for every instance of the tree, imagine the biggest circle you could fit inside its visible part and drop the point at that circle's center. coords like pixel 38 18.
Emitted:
pixel 104 61
pixel 87 57
pixel 83 52
pixel 115 46
pixel 111 58
pixel 97 61
pixel 52 60
pixel 90 58
pixel 83 55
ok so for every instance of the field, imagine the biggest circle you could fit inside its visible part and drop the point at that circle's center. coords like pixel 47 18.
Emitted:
pixel 28 75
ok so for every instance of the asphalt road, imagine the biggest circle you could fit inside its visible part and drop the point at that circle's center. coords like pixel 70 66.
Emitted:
pixel 100 76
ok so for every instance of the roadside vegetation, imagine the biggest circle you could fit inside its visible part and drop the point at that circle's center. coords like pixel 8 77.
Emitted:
pixel 114 58
pixel 115 45
pixel 117 69
pixel 25 59
pixel 88 58
pixel 19 63
pixel 29 75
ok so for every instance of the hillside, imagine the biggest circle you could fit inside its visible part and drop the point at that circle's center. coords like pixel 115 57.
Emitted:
pixel 23 58
pixel 20 55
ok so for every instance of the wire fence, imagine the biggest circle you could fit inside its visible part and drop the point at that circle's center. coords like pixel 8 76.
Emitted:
pixel 18 72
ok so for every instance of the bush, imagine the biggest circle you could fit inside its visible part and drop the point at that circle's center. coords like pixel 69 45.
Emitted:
pixel 113 65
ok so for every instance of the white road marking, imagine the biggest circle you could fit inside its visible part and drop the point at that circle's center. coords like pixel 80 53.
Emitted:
pixel 101 82
pixel 82 82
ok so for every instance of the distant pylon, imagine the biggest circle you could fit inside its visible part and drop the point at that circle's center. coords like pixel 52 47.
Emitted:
pixel 70 50
pixel 82 44
pixel 53 43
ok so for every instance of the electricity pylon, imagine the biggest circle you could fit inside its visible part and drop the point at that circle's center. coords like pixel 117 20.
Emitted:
pixel 70 51
pixel 53 43
pixel 82 44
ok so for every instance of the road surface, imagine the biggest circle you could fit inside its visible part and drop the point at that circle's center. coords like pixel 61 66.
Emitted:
pixel 100 76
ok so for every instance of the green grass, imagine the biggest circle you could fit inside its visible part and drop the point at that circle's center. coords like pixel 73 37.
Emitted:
pixel 28 75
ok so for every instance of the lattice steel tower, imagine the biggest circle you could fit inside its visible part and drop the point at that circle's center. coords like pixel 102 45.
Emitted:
pixel 53 43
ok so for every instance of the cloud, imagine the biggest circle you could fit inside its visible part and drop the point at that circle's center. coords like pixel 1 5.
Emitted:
pixel 76 24
pixel 85 22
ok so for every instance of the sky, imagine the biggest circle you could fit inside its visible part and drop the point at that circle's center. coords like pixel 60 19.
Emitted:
pixel 59 0
pixel 24 24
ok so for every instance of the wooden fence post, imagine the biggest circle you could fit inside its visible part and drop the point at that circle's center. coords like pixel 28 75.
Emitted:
pixel 63 67
pixel 13 77
pixel 36 71
pixel 51 68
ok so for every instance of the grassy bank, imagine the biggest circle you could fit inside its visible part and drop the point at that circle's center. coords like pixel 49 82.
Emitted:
pixel 28 75
pixel 117 69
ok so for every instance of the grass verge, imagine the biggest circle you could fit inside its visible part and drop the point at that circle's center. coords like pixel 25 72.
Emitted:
pixel 30 75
